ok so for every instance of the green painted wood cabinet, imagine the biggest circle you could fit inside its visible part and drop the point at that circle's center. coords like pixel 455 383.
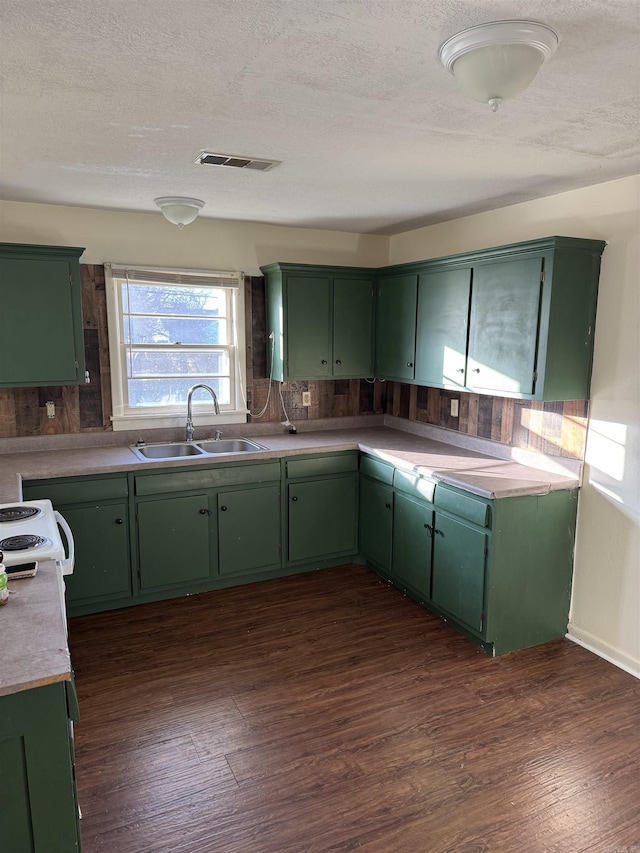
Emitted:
pixel 498 570
pixel 249 530
pixel 322 507
pixel 173 542
pixel 514 321
pixel 396 309
pixel 39 808
pixel 321 320
pixel 97 510
pixel 41 338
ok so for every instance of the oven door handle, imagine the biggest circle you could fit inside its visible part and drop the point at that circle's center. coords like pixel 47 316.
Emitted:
pixel 66 565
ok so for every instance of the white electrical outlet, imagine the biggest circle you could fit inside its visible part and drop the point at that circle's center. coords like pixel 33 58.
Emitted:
pixel 454 408
pixel 306 398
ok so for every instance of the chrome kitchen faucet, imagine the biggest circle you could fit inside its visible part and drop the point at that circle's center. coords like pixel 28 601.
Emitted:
pixel 216 407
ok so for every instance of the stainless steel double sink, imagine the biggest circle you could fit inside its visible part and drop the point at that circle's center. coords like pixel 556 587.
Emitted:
pixel 188 449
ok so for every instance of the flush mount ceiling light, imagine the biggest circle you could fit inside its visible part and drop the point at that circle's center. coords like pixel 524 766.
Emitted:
pixel 495 61
pixel 178 210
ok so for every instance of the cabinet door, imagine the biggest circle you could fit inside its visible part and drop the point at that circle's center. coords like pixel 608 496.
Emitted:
pixel 503 331
pixel 396 326
pixel 249 530
pixel 308 330
pixel 443 320
pixel 37 322
pixel 322 518
pixel 101 536
pixel 173 541
pixel 39 804
pixel 412 540
pixel 376 520
pixel 352 327
pixel 459 554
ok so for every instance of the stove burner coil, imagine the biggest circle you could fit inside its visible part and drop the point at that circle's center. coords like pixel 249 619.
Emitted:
pixel 22 543
pixel 18 513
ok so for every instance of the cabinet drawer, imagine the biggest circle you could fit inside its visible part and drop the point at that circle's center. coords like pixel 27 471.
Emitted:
pixel 80 491
pixel 418 487
pixel 206 478
pixel 376 470
pixel 463 506
pixel 322 465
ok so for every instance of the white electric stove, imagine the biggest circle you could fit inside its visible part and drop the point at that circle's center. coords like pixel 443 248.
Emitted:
pixel 29 533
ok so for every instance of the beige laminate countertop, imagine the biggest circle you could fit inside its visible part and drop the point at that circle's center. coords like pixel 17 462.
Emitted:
pixel 479 473
pixel 33 633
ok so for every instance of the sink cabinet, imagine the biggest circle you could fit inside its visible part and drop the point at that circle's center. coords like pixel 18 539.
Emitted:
pixel 97 509
pixel 41 316
pixel 249 523
pixel 322 507
pixel 321 319
pixel 40 808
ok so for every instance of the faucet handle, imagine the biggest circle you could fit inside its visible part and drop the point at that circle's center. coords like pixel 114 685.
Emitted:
pixel 218 435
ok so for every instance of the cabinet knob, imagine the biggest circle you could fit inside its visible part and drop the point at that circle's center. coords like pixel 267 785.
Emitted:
pixel 475 370
pixel 324 361
pixel 439 532
pixel 204 512
pixel 119 521
pixel 460 370
pixel 388 506
pixel 338 361
pixel 409 364
pixel 430 529
pixel 223 509
pixel 294 499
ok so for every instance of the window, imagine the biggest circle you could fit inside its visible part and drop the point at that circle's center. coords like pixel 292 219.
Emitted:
pixel 169 330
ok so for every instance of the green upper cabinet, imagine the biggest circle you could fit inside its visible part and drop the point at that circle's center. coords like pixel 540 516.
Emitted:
pixel 514 321
pixel 396 307
pixel 441 341
pixel 503 327
pixel 321 319
pixel 41 339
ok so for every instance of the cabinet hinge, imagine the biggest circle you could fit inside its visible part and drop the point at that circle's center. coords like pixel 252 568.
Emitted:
pixel 482 620
pixel 70 280
pixel 76 363
pixel 535 376
pixel 486 551
pixel 542 275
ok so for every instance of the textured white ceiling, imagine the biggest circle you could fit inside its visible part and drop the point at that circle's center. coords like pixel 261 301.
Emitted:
pixel 106 103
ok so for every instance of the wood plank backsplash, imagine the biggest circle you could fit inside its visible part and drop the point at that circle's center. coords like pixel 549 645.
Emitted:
pixel 556 428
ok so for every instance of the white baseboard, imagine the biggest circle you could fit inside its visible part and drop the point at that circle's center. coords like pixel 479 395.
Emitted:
pixel 604 650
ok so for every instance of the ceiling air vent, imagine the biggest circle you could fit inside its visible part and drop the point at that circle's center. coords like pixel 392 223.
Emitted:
pixel 210 158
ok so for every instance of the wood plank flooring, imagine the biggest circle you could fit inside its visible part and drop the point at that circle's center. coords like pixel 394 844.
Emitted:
pixel 327 712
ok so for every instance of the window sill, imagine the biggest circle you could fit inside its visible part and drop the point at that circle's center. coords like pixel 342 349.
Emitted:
pixel 132 422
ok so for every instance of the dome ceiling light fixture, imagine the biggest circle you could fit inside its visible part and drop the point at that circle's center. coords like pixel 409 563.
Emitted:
pixel 496 61
pixel 178 210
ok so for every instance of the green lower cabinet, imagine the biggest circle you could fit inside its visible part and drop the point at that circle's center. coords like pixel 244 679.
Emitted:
pixel 102 571
pixel 249 530
pixel 412 539
pixel 459 556
pixel 375 522
pixel 173 542
pixel 322 518
pixel 39 805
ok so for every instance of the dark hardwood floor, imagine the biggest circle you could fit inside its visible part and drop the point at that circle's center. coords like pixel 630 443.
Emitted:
pixel 327 712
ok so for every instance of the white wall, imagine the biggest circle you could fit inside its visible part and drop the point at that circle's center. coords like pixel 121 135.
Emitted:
pixel 147 238
pixel 605 608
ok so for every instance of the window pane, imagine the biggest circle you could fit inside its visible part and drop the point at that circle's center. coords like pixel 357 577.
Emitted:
pixel 177 362
pixel 165 299
pixel 170 391
pixel 171 330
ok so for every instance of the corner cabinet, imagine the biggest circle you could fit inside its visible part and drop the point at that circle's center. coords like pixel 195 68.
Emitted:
pixel 498 570
pixel 321 320
pixel 41 338
pixel 513 321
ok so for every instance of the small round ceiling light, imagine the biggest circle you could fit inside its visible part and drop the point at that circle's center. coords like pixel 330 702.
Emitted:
pixel 496 61
pixel 179 210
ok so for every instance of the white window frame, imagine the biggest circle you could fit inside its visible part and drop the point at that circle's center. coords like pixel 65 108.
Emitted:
pixel 125 417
